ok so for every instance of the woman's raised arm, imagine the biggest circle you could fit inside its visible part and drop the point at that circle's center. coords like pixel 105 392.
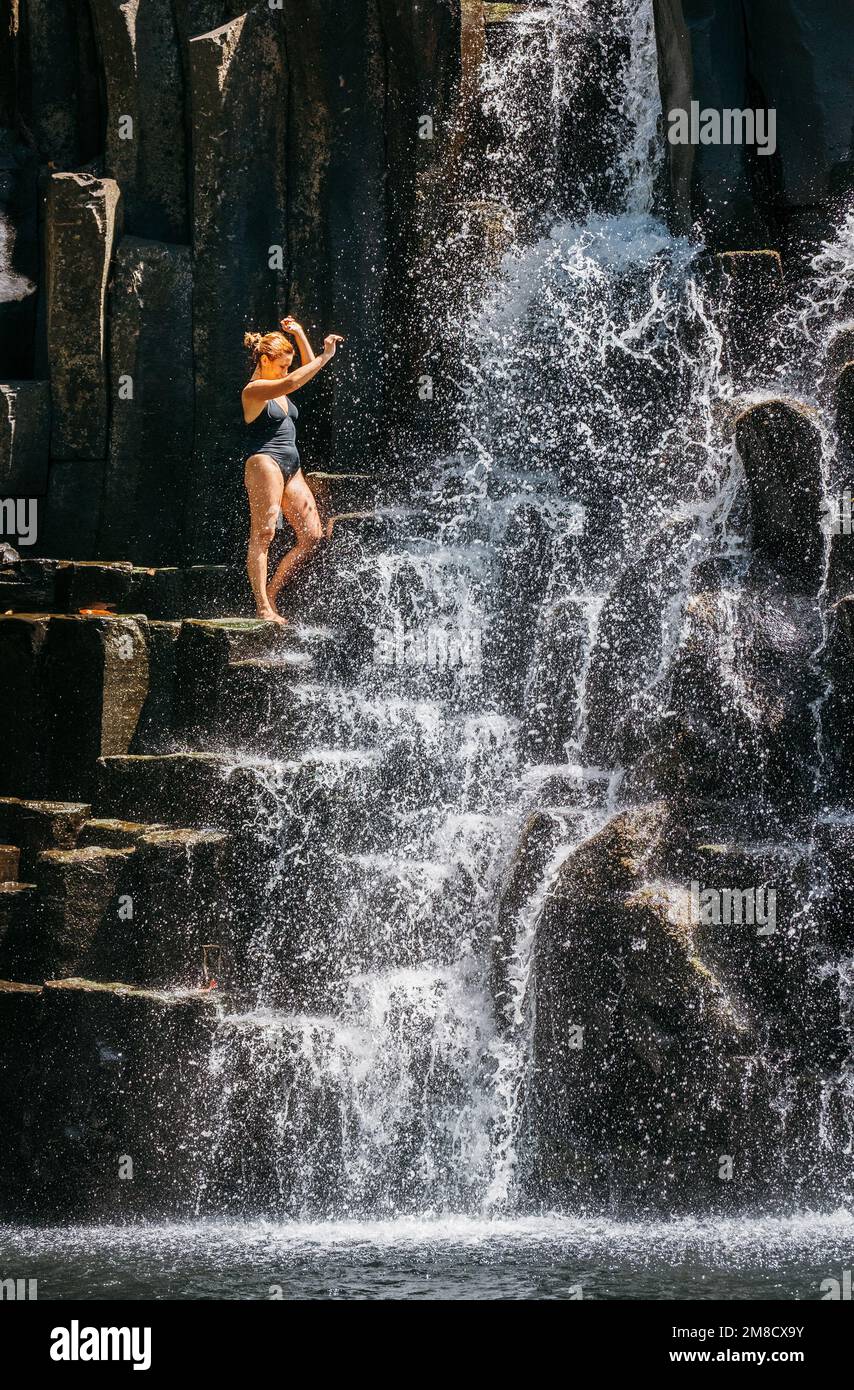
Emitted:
pixel 306 351
pixel 266 389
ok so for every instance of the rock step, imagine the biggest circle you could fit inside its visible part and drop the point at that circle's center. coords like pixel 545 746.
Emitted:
pixel 170 593
pixel 34 826
pixel 839 354
pixel 10 863
pixel 225 668
pixel 69 586
pixel 81 688
pixel 218 791
pixel 268 707
pixel 76 688
pixel 749 286
pixel 76 1050
pixel 115 834
pixel 17 924
pixel 267 711
pixel 141 911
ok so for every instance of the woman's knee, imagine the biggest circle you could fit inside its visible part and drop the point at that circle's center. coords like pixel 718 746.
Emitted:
pixel 263 535
pixel 312 533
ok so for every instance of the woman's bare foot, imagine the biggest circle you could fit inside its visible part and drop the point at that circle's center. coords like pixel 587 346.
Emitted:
pixel 269 615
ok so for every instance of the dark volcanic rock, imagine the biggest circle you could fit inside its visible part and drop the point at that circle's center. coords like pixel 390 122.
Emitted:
pixel 621 995
pixel 99 1075
pixel 22 747
pixel 750 291
pixel 76 695
pixel 783 55
pixel 19 257
pixel 70 524
pixel 780 445
pixel 844 398
pixel 155 730
pixel 676 79
pixel 740 721
pixel 837 711
pixel 82 216
pixel 661 1040
pixel 19 1031
pixel 96 675
pixel 10 859
pixel 19 955
pixel 635 623
pixel 151 387
pixel 60 91
pixel 92 584
pixel 36 826
pixel 177 885
pixel 336 224
pixel 78 893
pixel 141 63
pixel 24 438
pixel 195 789
pixel 551 695
pixel 26 586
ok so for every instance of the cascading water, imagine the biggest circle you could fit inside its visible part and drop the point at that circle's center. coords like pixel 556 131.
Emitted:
pixel 388 1071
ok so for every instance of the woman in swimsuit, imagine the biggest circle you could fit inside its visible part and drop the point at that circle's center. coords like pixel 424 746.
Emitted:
pixel 274 478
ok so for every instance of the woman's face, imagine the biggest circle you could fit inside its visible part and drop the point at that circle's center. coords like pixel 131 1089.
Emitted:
pixel 279 365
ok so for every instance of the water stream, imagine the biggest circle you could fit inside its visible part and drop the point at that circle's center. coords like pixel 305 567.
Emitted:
pixel 383 1080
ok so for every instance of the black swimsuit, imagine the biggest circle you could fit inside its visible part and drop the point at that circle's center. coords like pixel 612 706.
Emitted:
pixel 274 433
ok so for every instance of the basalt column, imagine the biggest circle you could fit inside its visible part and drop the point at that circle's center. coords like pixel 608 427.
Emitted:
pixel 787 57
pixel 151 387
pixel 145 144
pixel 422 47
pixel 239 95
pixel 336 218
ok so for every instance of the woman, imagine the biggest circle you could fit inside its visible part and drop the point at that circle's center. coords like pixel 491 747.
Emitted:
pixel 274 478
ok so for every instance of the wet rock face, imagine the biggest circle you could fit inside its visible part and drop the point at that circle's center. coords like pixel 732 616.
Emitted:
pixel 780 445
pixel 61 723
pixel 785 55
pixel 57 80
pixel 634 630
pixel 664 981
pixel 20 255
pixel 152 420
pixel 24 438
pixel 95 1074
pixel 82 214
pixel 741 722
pixel 238 103
pixel 145 129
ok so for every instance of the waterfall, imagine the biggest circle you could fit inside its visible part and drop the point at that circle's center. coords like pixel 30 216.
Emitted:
pixel 401 1089
pixel 380 1063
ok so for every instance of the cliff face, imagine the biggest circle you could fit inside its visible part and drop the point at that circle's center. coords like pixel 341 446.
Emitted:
pixel 173 172
pixel 790 56
pixel 659 697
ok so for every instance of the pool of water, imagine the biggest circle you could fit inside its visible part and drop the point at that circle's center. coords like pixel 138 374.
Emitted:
pixel 549 1257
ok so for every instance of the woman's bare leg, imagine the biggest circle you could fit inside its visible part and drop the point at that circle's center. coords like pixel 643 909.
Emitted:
pixel 300 511
pixel 265 485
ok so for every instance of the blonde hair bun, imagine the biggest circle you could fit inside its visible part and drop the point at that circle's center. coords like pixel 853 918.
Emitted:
pixel 266 344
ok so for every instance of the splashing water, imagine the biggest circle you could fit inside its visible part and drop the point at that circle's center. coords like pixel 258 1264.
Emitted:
pixel 373 1073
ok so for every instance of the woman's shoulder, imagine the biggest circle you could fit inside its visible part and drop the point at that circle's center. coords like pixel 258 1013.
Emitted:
pixel 262 413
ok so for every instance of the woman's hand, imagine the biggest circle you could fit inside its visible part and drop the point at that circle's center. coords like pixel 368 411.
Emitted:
pixel 290 325
pixel 330 343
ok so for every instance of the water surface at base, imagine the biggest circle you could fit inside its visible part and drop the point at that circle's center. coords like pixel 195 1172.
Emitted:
pixel 552 1257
